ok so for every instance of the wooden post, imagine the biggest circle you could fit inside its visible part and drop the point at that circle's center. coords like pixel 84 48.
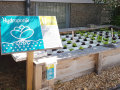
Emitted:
pixel 99 63
pixel 29 70
pixel 37 77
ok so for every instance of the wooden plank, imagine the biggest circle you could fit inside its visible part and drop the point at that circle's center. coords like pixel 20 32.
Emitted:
pixel 84 28
pixel 29 70
pixel 37 77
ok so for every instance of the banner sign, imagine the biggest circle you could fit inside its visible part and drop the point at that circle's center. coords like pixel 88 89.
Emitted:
pixel 27 33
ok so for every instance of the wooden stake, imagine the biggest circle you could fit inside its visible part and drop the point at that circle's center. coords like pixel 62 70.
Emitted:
pixel 112 32
pixel 73 36
pixel 29 70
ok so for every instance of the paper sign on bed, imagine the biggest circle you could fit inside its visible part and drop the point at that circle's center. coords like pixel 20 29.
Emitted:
pixel 27 33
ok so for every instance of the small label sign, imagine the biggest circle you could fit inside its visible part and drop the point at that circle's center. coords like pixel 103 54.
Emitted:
pixel 51 71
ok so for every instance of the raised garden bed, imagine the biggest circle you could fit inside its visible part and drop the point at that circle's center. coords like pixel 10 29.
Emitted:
pixel 87 39
pixel 88 51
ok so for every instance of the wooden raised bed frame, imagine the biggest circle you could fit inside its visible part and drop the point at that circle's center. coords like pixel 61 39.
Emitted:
pixel 76 63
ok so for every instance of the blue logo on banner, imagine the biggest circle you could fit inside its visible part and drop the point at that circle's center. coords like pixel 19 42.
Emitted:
pixel 20 33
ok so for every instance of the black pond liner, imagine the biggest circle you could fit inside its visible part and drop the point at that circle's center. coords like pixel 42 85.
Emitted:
pixel 60 51
pixel 71 38
pixel 85 39
pixel 49 54
pixel 64 47
pixel 119 37
pixel 114 38
pixel 100 34
pixel 67 36
pixel 89 46
pixel 91 42
pixel 98 45
pixel 78 40
pixel 75 35
pixel 83 43
pixel 54 49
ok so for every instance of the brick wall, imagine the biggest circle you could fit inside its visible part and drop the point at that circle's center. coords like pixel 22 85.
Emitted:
pixel 15 8
pixel 83 14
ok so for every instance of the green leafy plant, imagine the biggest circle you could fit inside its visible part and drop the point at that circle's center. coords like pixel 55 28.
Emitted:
pixel 105 43
pixel 74 45
pixel 65 47
pixel 77 32
pixel 113 41
pixel 118 34
pixel 86 36
pixel 106 39
pixel 64 39
pixel 81 33
pixel 71 49
pixel 94 35
pixel 114 32
pixel 99 37
pixel 99 40
pixel 88 33
pixel 69 42
pixel 81 48
pixel 92 38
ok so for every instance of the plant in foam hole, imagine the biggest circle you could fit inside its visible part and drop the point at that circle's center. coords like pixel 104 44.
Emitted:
pixel 114 32
pixel 81 34
pixel 86 36
pixel 99 37
pixel 77 32
pixel 105 43
pixel 64 39
pixel 92 38
pixel 99 40
pixel 69 42
pixel 65 47
pixel 81 48
pixel 118 34
pixel 71 49
pixel 74 45
pixel 113 41
pixel 94 35
pixel 88 33
pixel 106 39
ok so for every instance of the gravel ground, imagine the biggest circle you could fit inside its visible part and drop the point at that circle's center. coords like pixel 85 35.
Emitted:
pixel 108 80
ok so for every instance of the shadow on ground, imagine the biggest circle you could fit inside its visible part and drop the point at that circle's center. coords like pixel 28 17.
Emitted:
pixel 12 74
